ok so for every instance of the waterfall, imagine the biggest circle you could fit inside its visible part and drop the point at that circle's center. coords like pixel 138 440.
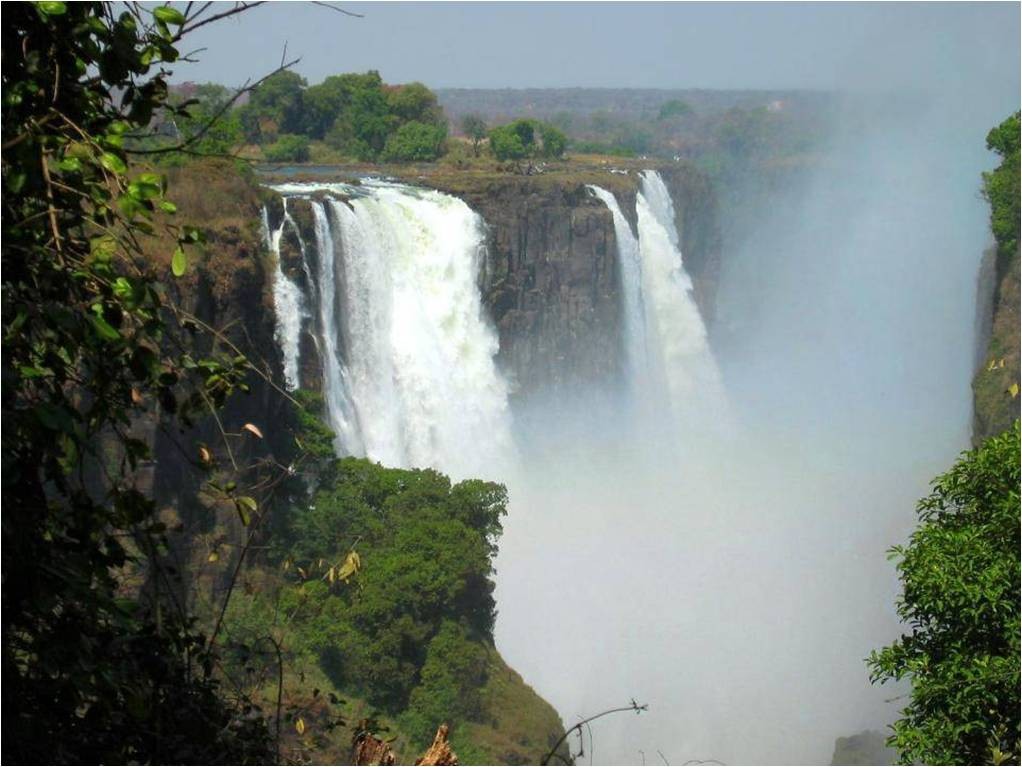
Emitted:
pixel 340 411
pixel 685 362
pixel 408 354
pixel 630 268
pixel 288 304
pixel 669 359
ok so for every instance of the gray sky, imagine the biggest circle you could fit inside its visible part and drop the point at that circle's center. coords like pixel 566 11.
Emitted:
pixel 651 45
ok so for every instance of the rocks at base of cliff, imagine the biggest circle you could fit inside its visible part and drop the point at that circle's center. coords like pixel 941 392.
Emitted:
pixel 868 747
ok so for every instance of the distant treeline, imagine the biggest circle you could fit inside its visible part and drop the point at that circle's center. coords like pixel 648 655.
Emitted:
pixel 358 116
pixel 355 115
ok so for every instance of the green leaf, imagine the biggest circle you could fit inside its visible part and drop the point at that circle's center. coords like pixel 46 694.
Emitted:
pixel 179 263
pixel 169 15
pixel 245 506
pixel 70 165
pixel 113 163
pixel 52 8
pixel 124 290
pixel 105 329
pixel 191 234
pixel 168 207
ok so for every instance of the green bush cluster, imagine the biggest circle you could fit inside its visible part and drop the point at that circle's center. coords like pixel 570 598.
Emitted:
pixel 599 147
pixel 415 142
pixel 1001 186
pixel 357 114
pixel 409 630
pixel 290 147
pixel 518 140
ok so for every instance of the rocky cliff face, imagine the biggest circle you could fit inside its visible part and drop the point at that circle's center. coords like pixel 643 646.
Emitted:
pixel 551 281
pixel 995 386
pixel 550 284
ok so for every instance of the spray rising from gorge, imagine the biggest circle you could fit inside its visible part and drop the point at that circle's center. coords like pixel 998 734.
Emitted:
pixel 642 550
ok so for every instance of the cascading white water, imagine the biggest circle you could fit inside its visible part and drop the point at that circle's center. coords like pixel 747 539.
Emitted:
pixel 398 284
pixel 669 359
pixel 681 353
pixel 288 304
pixel 630 269
pixel 340 410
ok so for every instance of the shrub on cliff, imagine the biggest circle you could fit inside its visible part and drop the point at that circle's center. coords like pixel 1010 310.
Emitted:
pixel 554 141
pixel 1001 186
pixel 960 601
pixel 415 142
pixel 506 144
pixel 474 128
pixel 517 140
pixel 424 558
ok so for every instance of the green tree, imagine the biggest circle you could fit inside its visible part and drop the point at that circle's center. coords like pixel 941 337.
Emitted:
pixel 207 123
pixel 329 100
pixel 415 142
pixel 450 683
pixel 426 549
pixel 365 122
pixel 960 601
pixel 474 128
pixel 95 671
pixel 275 107
pixel 554 141
pixel 288 148
pixel 506 144
pixel 1001 187
pixel 414 102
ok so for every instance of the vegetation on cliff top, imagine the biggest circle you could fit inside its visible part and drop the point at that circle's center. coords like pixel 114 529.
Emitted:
pixel 1001 186
pixel 378 583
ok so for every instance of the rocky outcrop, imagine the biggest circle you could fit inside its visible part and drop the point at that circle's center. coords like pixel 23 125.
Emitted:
pixel 995 387
pixel 551 280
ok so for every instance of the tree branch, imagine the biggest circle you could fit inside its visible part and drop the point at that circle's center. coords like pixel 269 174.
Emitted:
pixel 637 708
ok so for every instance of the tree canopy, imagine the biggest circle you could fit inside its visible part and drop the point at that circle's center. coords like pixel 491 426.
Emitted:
pixel 1001 186
pixel 474 128
pixel 96 671
pixel 960 601
pixel 355 113
pixel 517 140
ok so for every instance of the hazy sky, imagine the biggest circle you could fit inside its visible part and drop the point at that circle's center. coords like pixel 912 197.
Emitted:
pixel 652 45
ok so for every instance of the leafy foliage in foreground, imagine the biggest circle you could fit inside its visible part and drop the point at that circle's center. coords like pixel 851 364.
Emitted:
pixel 100 664
pixel 960 576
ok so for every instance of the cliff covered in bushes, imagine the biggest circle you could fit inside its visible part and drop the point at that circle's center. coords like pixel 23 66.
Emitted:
pixel 996 384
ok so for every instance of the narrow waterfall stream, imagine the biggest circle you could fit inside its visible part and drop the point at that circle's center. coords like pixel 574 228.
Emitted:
pixel 668 356
pixel 288 303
